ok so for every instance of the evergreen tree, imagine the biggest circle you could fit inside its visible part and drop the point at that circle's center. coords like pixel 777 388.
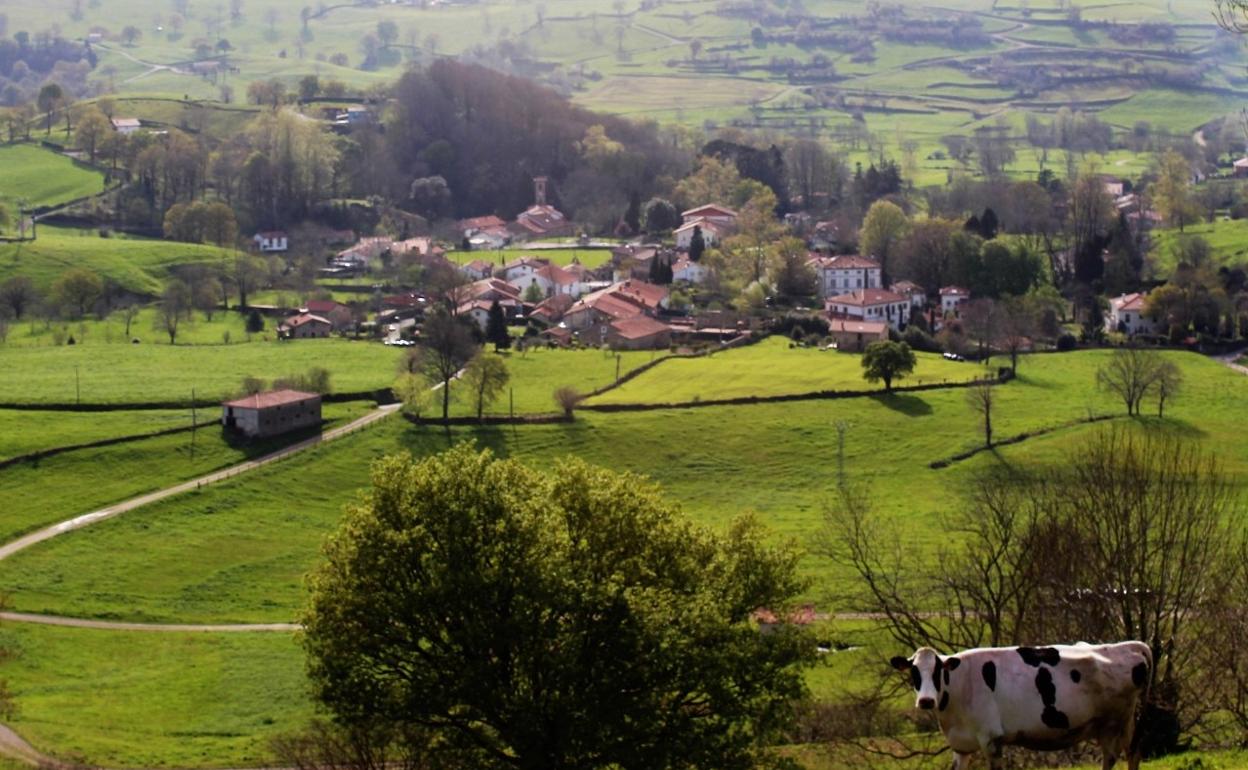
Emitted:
pixel 632 217
pixel 496 328
pixel 255 322
pixel 972 225
pixel 988 224
pixel 697 244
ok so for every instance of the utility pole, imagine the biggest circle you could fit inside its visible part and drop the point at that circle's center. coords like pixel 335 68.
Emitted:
pixel 194 423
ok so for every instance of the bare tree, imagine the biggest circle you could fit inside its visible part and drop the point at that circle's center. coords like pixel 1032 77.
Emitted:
pixel 980 319
pixel 175 306
pixel 1130 374
pixel 1017 325
pixel 129 312
pixel 982 397
pixel 1169 380
pixel 448 346
pixel 567 398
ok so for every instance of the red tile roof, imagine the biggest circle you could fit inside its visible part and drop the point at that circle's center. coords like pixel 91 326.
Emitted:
pixel 481 223
pixel 557 275
pixel 271 399
pixel 845 262
pixel 865 297
pixel 856 327
pixel 320 306
pixel 709 209
pixel 1129 302
pixel 956 291
pixel 638 327
pixel 645 294
pixel 296 321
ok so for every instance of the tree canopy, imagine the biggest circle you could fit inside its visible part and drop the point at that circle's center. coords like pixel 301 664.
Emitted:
pixel 517 619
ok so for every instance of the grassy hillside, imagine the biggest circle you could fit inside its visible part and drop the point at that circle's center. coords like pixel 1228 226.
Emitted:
pixel 137 264
pixel 237 552
pixel 105 374
pixel 770 368
pixel 590 258
pixel 36 177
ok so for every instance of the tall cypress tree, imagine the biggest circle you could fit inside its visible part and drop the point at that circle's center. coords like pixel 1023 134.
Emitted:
pixel 496 328
pixel 697 244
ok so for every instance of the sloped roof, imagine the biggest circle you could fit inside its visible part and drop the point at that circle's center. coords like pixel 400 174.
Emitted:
pixel 270 399
pixel 865 297
pixel 638 327
pixel 856 327
pixel 844 262
pixel 301 319
pixel 709 209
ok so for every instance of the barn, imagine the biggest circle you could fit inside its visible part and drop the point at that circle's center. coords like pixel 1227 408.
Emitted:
pixel 262 415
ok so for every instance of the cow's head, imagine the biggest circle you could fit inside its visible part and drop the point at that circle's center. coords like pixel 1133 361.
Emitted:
pixel 927 669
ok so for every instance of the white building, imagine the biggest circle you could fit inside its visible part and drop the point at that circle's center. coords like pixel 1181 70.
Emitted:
pixel 712 233
pixel 271 242
pixel 871 305
pixel 688 271
pixel 550 279
pixel 951 300
pixel 843 274
pixel 1126 314
pixel 918 297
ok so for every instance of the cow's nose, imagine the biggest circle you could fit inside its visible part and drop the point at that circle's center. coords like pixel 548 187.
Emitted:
pixel 927 704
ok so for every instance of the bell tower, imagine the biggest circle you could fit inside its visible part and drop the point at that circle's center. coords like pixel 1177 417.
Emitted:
pixel 539 190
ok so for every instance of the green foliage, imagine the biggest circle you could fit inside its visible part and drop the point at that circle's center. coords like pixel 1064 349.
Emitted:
pixel 484 378
pixel 463 553
pixel 496 328
pixel 887 361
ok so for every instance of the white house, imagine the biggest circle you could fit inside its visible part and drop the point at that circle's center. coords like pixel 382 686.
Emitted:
pixel 522 269
pixel 477 269
pixel 711 212
pixel 550 280
pixel 842 274
pixel 1126 314
pixel 126 126
pixel 952 298
pixel 712 233
pixel 870 305
pixel 918 297
pixel 688 271
pixel 271 242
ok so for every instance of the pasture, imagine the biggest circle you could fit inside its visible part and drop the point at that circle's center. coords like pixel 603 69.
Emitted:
pixel 769 368
pixel 236 552
pixel 590 258
pixel 35 177
pixel 137 264
pixel 112 374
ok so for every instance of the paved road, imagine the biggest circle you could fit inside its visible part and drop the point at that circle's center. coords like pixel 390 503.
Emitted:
pixel 111 625
pixel 86 519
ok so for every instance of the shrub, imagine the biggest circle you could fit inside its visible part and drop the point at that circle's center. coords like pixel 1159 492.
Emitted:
pixel 920 340
pixel 1066 342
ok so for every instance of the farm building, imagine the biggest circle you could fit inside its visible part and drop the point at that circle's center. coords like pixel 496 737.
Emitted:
pixel 338 314
pixel 854 336
pixel 304 326
pixel 638 333
pixel 262 415
pixel 126 126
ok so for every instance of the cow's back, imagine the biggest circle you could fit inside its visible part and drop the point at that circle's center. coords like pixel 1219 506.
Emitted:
pixel 1058 694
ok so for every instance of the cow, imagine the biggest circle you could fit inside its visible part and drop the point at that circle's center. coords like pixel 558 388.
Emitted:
pixel 1040 698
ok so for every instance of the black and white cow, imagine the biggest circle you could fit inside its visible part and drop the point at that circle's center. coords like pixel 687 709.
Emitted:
pixel 1041 698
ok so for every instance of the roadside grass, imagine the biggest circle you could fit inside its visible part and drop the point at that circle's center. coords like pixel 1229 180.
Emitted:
pixel 151 700
pixel 137 264
pixel 770 368
pixel 35 176
pixel 89 479
pixel 109 374
pixel 237 551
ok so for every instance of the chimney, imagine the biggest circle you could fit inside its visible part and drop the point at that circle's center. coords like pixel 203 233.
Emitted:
pixel 539 190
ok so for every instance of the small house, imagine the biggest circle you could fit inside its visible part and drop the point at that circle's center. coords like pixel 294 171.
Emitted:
pixel 338 314
pixel 1241 168
pixel 304 326
pixel 952 298
pixel 854 336
pixel 712 233
pixel 271 242
pixel 262 415
pixel 638 333
pixel 126 126
pixel 1126 315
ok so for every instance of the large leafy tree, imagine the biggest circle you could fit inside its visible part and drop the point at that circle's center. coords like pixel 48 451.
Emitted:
pixel 883 230
pixel 570 620
pixel 887 361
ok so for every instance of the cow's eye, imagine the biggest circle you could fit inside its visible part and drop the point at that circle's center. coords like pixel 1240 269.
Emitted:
pixel 915 677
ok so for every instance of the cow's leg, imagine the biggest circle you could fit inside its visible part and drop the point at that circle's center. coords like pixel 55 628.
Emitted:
pixel 962 761
pixel 995 751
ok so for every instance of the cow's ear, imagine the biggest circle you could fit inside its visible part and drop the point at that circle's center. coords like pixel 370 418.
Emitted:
pixel 953 663
pixel 900 663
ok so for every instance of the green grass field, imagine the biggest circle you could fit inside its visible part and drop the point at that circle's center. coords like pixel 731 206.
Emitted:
pixel 590 258
pixel 89 479
pixel 1228 239
pixel 538 372
pixel 34 176
pixel 236 552
pixel 145 327
pixel 769 368
pixel 27 431
pixel 174 700
pixel 140 265
pixel 108 374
